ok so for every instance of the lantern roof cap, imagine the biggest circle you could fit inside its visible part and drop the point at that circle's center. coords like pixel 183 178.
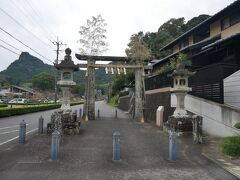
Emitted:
pixel 67 63
pixel 181 70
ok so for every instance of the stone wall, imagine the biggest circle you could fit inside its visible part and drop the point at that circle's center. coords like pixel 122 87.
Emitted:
pixel 218 119
pixel 123 103
pixel 154 99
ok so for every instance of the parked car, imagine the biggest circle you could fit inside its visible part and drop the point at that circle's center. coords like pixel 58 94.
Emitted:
pixel 18 100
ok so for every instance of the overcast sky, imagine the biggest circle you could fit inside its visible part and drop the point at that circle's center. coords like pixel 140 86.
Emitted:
pixel 46 19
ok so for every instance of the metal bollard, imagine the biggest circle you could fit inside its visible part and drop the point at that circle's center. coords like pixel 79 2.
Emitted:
pixel 98 113
pixel 172 145
pixel 116 113
pixel 80 113
pixel 22 132
pixel 116 146
pixel 40 125
pixel 55 145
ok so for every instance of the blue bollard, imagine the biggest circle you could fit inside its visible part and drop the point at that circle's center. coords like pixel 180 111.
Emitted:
pixel 172 145
pixel 22 132
pixel 116 146
pixel 98 113
pixel 55 145
pixel 40 125
pixel 116 113
pixel 80 113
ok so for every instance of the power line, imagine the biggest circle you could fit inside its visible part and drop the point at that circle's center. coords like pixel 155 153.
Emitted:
pixel 23 27
pixel 23 10
pixel 24 44
pixel 10 45
pixel 37 13
pixel 9 50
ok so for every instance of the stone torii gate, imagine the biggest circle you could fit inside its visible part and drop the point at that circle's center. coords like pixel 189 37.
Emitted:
pixel 89 106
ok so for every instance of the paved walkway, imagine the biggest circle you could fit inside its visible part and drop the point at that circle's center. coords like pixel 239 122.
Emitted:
pixel 144 155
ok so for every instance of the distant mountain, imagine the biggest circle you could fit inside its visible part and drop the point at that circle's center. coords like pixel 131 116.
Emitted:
pixel 23 69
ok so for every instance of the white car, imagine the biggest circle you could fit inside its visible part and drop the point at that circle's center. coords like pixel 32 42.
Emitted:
pixel 18 100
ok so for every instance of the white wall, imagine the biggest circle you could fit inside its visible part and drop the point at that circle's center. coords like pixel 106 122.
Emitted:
pixel 232 89
pixel 218 120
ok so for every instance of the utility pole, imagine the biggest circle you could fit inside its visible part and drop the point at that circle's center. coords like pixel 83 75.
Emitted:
pixel 58 44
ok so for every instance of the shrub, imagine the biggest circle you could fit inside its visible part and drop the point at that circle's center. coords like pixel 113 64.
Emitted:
pixel 230 145
pixel 5 112
pixel 3 105
pixel 237 125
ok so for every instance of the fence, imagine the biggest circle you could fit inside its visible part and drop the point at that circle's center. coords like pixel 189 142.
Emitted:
pixel 207 83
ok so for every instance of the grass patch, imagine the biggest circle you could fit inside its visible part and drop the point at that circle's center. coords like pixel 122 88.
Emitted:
pixel 237 125
pixel 114 101
pixel 230 146
pixel 3 105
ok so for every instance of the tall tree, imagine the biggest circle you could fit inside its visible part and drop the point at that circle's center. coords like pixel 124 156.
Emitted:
pixel 137 49
pixel 93 36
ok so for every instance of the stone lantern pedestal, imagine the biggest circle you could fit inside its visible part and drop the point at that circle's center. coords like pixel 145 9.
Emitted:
pixel 180 121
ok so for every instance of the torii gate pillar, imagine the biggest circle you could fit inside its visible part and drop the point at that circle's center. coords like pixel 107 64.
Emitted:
pixel 89 104
pixel 139 94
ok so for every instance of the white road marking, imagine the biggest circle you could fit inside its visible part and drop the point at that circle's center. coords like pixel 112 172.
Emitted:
pixel 10 127
pixel 8 132
pixel 17 137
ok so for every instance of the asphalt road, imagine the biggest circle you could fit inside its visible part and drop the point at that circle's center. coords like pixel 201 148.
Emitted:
pixel 9 126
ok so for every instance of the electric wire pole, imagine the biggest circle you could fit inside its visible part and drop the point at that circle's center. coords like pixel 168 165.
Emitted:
pixel 58 44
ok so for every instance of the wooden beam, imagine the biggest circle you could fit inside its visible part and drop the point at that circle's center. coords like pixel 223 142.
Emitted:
pixel 101 58
pixel 110 66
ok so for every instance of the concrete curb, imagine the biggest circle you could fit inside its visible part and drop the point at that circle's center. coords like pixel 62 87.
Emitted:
pixel 222 166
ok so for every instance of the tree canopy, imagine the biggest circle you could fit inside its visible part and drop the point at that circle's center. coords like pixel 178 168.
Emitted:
pixel 43 81
pixel 92 36
pixel 137 49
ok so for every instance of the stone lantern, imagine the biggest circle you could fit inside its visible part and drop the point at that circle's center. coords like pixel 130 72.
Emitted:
pixel 66 68
pixel 180 88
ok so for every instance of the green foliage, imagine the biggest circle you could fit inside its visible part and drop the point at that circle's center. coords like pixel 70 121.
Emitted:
pixel 78 89
pixel 5 112
pixel 195 21
pixel 137 49
pixel 43 81
pixel 118 84
pixel 237 125
pixel 230 145
pixel 168 32
pixel 114 100
pixel 171 65
pixel 3 105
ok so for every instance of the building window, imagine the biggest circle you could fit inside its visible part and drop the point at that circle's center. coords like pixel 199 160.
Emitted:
pixel 184 43
pixel 225 23
pixel 233 18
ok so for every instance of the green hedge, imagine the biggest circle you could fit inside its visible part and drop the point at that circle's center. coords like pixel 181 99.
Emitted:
pixel 3 105
pixel 5 112
pixel 237 125
pixel 230 145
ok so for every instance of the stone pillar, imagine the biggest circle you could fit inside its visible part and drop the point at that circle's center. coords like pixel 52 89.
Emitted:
pixel 139 94
pixel 89 104
pixel 66 98
pixel 85 105
pixel 91 91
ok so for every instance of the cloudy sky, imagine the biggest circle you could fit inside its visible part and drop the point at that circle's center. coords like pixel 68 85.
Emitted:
pixel 38 22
